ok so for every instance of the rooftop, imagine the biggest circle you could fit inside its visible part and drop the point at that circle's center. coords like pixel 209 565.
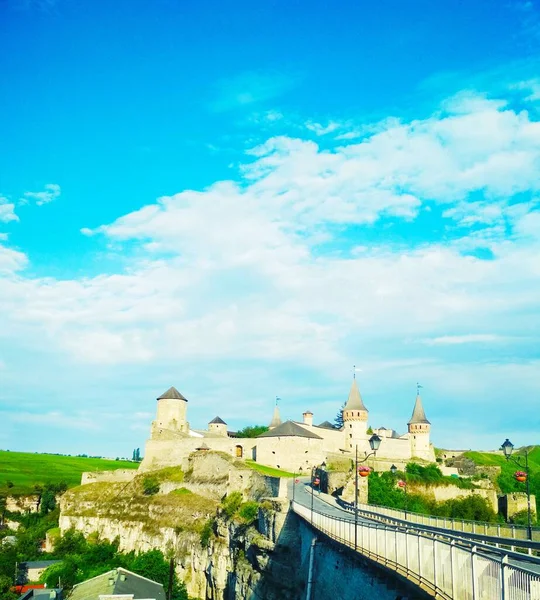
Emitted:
pixel 354 401
pixel 172 394
pixel 290 428
pixel 118 582
pixel 217 420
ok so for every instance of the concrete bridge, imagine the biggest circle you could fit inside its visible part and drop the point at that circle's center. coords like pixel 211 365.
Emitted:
pixel 438 561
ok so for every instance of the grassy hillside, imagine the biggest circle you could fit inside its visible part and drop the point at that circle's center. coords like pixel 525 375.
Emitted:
pixel 506 479
pixel 25 470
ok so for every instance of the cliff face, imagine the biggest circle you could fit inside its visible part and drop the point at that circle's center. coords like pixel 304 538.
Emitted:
pixel 219 557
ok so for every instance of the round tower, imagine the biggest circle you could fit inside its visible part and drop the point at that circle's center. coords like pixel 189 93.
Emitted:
pixel 419 430
pixel 171 412
pixel 218 426
pixel 355 417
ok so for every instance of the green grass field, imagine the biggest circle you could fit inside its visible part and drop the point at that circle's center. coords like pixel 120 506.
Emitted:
pixel 267 470
pixel 25 470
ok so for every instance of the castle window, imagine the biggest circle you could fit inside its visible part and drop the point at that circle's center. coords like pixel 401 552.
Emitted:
pixel 350 435
pixel 350 425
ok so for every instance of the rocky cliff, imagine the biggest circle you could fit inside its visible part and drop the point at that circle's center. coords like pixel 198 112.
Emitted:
pixel 219 555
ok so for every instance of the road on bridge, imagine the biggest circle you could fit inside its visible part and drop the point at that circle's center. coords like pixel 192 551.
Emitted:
pixel 325 504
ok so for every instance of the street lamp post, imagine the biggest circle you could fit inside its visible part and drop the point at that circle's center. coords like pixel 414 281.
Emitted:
pixel 403 485
pixel 374 444
pixel 507 448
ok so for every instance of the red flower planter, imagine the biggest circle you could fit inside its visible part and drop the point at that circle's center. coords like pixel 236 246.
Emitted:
pixel 520 476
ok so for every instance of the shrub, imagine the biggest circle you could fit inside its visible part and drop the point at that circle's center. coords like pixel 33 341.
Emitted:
pixel 522 518
pixel 231 504
pixel 249 511
pixel 207 532
pixel 150 486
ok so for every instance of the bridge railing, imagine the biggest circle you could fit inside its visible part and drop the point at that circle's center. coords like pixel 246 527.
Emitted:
pixel 517 532
pixel 444 568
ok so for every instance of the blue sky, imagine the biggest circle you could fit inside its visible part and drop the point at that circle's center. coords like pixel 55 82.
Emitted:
pixel 244 200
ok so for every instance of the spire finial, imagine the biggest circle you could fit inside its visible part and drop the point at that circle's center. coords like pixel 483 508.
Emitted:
pixel 418 386
pixel 277 400
pixel 354 371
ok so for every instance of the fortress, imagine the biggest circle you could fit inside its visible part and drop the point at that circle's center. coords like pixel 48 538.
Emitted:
pixel 294 446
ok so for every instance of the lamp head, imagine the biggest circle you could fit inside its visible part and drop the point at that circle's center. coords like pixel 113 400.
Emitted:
pixel 323 466
pixel 507 447
pixel 374 442
pixel 393 469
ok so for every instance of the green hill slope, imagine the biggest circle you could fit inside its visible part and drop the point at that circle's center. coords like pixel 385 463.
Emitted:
pixel 25 470
pixel 506 479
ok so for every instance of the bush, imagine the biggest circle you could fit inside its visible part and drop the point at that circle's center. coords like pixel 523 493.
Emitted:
pixel 249 511
pixel 150 486
pixel 207 532
pixel 231 504
pixel 522 518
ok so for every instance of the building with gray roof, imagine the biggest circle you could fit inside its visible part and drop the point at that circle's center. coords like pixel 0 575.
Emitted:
pixel 118 582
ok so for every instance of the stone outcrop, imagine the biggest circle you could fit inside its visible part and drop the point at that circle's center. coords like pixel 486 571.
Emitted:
pixel 218 557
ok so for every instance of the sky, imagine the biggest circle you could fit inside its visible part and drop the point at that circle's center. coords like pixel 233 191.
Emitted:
pixel 245 199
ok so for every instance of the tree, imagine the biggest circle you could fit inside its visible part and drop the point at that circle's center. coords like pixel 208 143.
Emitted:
pixel 338 421
pixel 252 431
pixel 5 588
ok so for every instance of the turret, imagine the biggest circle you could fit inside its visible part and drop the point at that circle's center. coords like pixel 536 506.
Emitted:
pixel 276 417
pixel 419 430
pixel 355 416
pixel 171 412
pixel 218 426
pixel 308 417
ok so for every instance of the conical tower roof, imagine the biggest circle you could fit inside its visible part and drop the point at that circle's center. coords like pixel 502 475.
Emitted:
pixel 172 394
pixel 354 401
pixel 418 415
pixel 276 418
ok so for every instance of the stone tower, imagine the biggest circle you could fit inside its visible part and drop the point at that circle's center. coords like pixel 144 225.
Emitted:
pixel 171 413
pixel 419 428
pixel 218 426
pixel 355 416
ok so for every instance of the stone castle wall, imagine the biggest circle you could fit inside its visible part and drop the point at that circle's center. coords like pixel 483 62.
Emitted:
pixel 118 475
pixel 510 504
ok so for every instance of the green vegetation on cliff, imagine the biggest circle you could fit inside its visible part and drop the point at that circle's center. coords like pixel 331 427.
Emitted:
pixel 141 500
pixel 21 471
pixel 506 480
pixel 383 491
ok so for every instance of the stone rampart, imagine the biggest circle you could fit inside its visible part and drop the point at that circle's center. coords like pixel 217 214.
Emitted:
pixel 441 493
pixel 510 504
pixel 117 476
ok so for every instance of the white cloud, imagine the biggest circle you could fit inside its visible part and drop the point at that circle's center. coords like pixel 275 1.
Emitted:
pixel 531 87
pixel 11 260
pixel 7 211
pixel 243 275
pixel 319 129
pixel 471 338
pixel 51 192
